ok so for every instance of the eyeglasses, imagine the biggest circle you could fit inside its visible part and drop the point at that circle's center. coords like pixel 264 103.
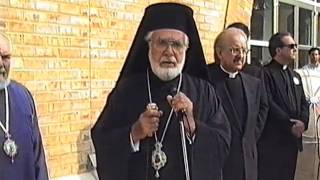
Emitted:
pixel 163 44
pixel 290 46
pixel 237 51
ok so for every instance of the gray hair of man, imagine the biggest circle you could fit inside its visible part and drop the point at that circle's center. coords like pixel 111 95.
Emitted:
pixel 149 35
pixel 6 38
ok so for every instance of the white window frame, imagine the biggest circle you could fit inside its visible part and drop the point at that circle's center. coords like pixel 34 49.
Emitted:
pixel 314 6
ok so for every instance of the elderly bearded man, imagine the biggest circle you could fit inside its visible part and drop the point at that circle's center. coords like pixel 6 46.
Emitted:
pixel 22 156
pixel 137 135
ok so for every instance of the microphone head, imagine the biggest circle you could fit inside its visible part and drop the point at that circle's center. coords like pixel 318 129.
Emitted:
pixel 173 91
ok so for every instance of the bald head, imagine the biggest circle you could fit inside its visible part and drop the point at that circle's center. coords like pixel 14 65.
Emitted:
pixel 230 49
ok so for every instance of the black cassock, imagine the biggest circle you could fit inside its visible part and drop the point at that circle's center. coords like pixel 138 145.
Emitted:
pixel 115 157
pixel 277 147
pixel 245 103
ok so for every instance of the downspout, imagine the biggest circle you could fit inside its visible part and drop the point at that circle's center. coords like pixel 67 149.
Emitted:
pixel 226 15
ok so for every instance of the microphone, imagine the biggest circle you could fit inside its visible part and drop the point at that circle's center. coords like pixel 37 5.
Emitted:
pixel 180 113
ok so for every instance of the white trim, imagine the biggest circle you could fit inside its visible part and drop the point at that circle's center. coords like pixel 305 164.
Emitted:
pixel 258 43
pixel 307 4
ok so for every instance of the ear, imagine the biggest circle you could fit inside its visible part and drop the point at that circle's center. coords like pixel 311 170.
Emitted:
pixel 219 53
pixel 278 50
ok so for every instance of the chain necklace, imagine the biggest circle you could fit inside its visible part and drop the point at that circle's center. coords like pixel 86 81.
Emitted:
pixel 9 146
pixel 159 158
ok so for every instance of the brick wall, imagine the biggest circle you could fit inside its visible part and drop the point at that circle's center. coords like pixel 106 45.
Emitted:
pixel 70 52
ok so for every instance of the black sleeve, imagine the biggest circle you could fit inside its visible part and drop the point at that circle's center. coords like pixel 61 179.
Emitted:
pixel 110 136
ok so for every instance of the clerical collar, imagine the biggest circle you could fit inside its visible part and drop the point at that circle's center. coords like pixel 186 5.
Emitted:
pixel 277 65
pixel 284 67
pixel 232 75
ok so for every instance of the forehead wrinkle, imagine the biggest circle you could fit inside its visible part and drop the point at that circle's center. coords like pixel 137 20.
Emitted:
pixel 169 34
pixel 232 38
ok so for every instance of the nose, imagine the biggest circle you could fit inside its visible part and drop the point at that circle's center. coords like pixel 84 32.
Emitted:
pixel 169 49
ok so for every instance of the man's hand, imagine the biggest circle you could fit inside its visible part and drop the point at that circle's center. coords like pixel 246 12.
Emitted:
pixel 146 125
pixel 181 103
pixel 298 128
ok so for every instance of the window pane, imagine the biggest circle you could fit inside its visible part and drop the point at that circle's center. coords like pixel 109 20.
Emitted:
pixel 261 20
pixel 303 58
pixel 305 17
pixel 286 18
pixel 318 30
pixel 260 55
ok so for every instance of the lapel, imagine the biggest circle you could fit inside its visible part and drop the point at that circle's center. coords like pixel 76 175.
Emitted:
pixel 249 93
pixel 228 106
pixel 277 78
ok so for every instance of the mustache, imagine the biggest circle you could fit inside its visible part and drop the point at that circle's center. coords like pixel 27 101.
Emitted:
pixel 168 59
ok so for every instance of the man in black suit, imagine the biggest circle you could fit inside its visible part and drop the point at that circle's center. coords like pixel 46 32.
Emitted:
pixel 242 98
pixel 288 115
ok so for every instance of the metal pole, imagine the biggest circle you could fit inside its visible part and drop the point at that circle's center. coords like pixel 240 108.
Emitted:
pixel 184 149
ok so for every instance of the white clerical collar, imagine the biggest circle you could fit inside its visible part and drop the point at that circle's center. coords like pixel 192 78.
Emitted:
pixel 231 74
pixel 284 67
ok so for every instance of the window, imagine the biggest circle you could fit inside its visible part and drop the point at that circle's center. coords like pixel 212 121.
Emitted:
pixel 261 20
pixel 305 20
pixel 303 58
pixel 260 55
pixel 318 30
pixel 286 18
pixel 296 17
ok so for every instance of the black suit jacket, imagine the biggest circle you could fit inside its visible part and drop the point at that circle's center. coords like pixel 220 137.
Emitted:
pixel 278 126
pixel 242 160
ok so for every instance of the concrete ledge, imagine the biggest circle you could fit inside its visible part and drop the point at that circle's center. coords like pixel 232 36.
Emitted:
pixel 86 176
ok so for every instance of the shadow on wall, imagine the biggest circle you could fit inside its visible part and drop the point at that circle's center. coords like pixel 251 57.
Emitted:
pixel 86 155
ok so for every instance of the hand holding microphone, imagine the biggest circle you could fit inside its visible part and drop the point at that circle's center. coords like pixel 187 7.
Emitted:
pixel 182 105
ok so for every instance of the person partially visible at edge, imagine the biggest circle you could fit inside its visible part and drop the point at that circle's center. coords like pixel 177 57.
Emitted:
pixel 314 55
pixel 288 115
pixel 242 98
pixel 21 155
pixel 137 135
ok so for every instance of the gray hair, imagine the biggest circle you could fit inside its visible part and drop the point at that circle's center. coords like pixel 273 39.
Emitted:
pixel 7 38
pixel 147 38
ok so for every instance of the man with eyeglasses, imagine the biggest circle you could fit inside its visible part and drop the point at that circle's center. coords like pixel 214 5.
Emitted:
pixel 241 97
pixel 163 119
pixel 288 115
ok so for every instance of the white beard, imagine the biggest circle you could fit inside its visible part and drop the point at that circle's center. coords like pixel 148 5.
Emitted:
pixel 4 84
pixel 166 74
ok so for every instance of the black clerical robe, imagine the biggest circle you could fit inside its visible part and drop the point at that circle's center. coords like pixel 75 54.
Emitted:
pixel 115 157
pixel 278 147
pixel 30 161
pixel 246 108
